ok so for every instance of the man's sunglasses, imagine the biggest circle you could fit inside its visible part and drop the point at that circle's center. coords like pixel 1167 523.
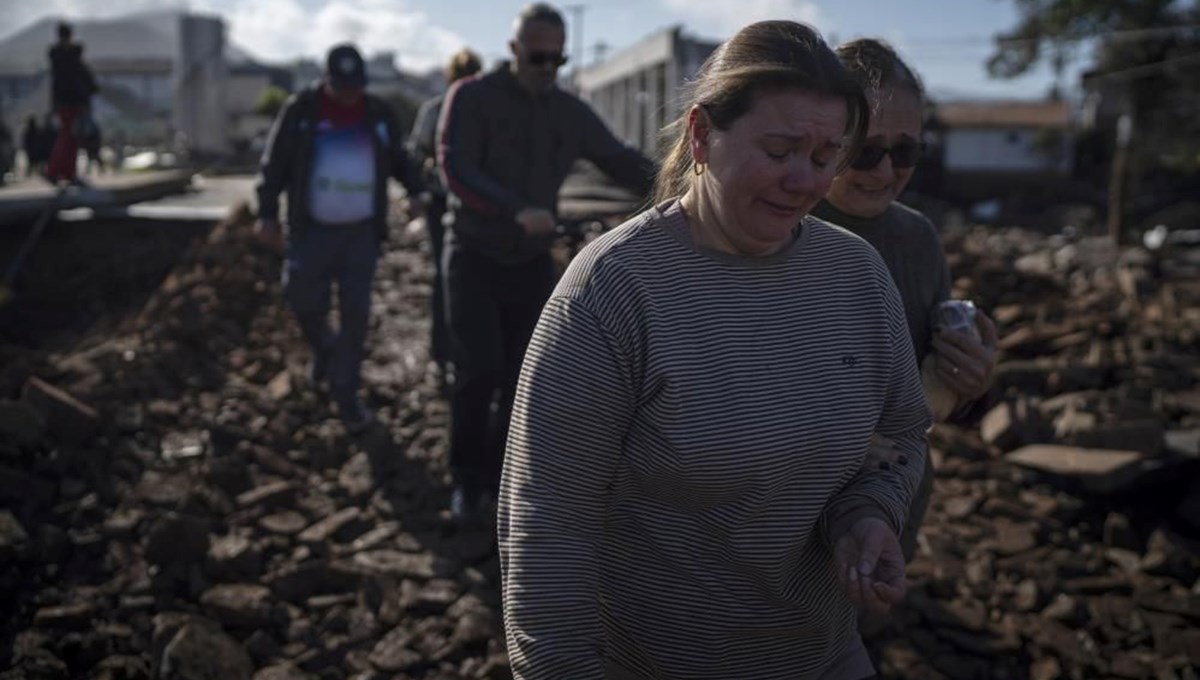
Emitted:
pixel 904 155
pixel 546 58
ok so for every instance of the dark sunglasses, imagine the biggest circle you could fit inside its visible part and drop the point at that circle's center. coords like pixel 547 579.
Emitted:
pixel 546 58
pixel 904 155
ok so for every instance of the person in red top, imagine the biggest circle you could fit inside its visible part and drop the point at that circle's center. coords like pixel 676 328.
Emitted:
pixel 332 149
pixel 71 86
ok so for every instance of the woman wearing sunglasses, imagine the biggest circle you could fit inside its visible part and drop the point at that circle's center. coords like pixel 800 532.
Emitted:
pixel 863 200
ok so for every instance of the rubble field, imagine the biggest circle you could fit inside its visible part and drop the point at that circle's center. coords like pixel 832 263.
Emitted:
pixel 176 502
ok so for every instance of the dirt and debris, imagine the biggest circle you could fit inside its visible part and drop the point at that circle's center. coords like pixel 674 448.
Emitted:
pixel 178 503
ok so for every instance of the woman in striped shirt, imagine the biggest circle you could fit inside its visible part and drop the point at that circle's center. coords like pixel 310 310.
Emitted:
pixel 683 492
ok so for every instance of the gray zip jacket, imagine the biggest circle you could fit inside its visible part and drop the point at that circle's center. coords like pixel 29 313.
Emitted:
pixel 502 149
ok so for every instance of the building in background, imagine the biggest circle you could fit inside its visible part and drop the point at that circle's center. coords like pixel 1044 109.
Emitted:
pixel 636 90
pixel 168 80
pixel 986 148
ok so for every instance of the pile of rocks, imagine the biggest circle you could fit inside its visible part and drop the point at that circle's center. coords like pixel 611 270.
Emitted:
pixel 195 511
pixel 178 503
pixel 1062 538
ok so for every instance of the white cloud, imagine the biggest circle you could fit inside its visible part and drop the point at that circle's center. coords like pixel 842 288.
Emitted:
pixel 725 17
pixel 281 29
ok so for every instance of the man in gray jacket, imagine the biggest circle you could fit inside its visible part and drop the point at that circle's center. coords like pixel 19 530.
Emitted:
pixel 507 141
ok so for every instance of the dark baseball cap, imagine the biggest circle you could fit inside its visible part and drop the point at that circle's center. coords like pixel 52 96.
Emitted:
pixel 345 68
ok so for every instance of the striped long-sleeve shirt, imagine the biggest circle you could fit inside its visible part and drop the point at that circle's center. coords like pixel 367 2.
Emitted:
pixel 686 426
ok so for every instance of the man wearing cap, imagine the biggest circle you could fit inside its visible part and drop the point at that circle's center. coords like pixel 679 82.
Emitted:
pixel 508 140
pixel 332 149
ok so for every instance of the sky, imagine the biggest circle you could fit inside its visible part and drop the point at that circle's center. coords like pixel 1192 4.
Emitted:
pixel 947 41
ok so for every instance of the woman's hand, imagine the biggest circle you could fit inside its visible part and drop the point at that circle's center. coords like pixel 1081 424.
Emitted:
pixel 870 565
pixel 965 363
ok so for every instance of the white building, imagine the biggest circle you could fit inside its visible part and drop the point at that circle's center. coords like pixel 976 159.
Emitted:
pixel 164 77
pixel 636 90
pixel 1021 137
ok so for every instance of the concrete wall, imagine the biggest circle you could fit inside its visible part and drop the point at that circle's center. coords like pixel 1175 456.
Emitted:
pixel 201 78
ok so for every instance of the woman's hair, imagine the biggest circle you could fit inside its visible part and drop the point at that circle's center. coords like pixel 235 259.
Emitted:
pixel 464 63
pixel 764 56
pixel 876 66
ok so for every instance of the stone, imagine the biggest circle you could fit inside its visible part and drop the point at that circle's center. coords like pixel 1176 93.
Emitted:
pixel 1028 596
pixel 202 651
pixel 1002 427
pixel 234 557
pixel 325 529
pixel 280 386
pixel 960 507
pixel 1099 470
pixel 181 446
pixel 67 419
pixel 20 423
pixel 392 653
pixel 77 615
pixel 287 523
pixel 431 599
pixel 169 490
pixel 357 476
pixel 394 563
pixel 1012 538
pixel 272 495
pixel 1063 608
pixel 240 604
pixel 373 538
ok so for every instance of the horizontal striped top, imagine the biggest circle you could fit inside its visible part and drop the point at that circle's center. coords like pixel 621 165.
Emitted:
pixel 686 424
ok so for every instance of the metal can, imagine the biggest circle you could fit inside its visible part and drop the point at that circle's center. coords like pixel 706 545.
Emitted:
pixel 956 315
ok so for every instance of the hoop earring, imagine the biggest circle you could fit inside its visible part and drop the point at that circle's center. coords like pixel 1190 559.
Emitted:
pixel 698 168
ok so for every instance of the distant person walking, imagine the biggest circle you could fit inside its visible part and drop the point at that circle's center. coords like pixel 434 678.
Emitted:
pixel 31 144
pixel 332 149
pixel 508 140
pixel 72 86
pixel 422 146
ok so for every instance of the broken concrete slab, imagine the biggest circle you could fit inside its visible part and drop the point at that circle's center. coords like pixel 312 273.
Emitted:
pixel 1099 470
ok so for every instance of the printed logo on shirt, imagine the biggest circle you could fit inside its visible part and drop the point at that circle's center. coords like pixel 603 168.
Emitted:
pixel 849 361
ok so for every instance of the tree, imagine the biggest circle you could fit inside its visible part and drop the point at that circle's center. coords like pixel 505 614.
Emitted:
pixel 1147 52
pixel 271 101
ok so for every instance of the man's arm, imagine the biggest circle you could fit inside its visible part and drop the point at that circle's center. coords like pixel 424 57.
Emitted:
pixel 404 169
pixel 462 136
pixel 422 141
pixel 276 162
pixel 624 164
pixel 573 409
